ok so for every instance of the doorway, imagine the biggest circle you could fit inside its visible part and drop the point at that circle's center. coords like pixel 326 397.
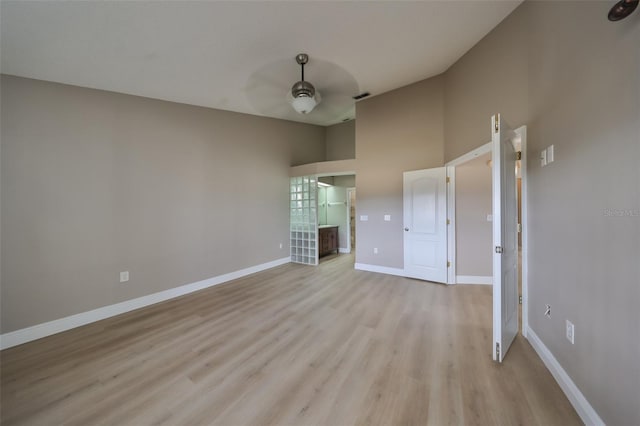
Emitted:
pixel 336 215
pixel 472 218
pixel 454 169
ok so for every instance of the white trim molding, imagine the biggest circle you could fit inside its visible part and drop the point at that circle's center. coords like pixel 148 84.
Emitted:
pixel 39 331
pixel 586 412
pixel 474 279
pixel 451 224
pixel 481 150
pixel 380 269
pixel 524 231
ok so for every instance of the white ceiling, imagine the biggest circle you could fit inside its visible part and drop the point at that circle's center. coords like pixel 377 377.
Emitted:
pixel 235 55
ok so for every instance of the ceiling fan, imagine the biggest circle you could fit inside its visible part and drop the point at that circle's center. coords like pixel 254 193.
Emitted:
pixel 323 93
pixel 304 95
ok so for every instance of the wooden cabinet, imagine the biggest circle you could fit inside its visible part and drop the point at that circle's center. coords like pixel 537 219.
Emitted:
pixel 328 241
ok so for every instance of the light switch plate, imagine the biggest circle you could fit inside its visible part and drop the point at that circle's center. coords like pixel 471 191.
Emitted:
pixel 124 276
pixel 364 218
pixel 550 154
pixel 387 218
pixel 570 332
pixel 543 158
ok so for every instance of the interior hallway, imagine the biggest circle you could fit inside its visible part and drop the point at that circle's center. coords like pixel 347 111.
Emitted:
pixel 292 345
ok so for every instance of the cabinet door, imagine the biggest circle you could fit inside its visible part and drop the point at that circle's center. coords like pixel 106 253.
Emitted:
pixel 336 244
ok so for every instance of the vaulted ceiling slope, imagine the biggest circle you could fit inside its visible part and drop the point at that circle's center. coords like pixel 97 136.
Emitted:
pixel 239 55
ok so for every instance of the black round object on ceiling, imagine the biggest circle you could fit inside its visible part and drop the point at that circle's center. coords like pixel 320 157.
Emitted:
pixel 622 9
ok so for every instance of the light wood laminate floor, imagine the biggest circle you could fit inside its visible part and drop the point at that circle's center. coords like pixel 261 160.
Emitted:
pixel 294 345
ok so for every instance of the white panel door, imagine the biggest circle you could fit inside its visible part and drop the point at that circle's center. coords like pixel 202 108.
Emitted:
pixel 425 224
pixel 505 238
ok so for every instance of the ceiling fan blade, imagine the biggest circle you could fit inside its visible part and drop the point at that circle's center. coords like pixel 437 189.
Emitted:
pixel 267 87
pixel 335 104
pixel 329 77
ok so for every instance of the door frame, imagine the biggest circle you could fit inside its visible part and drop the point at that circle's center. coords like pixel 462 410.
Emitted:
pixel 345 173
pixel 524 230
pixel 350 190
pixel 451 203
pixel 451 209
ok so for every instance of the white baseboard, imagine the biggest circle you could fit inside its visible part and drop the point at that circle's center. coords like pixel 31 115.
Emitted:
pixel 380 269
pixel 39 331
pixel 473 279
pixel 586 412
pixel 344 250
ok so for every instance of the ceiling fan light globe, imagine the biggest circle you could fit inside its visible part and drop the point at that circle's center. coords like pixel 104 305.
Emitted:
pixel 303 104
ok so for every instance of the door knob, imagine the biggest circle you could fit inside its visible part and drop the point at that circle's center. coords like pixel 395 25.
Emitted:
pixel 406 229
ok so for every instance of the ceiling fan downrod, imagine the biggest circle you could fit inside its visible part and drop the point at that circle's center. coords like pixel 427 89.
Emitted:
pixel 302 88
pixel 302 59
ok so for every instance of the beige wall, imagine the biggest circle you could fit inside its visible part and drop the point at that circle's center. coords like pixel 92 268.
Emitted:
pixel 94 183
pixel 574 79
pixel 474 234
pixel 491 78
pixel 341 141
pixel 397 131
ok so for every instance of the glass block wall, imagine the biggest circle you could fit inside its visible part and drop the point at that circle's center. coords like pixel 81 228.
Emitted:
pixel 304 220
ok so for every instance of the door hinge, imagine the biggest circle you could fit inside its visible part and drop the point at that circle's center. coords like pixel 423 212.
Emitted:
pixel 519 155
pixel 448 264
pixel 497 120
pixel 519 228
pixel 520 300
pixel 448 222
pixel 497 351
pixel 498 249
pixel 448 179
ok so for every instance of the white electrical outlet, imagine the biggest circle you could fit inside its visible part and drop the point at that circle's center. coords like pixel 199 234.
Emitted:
pixel 375 250
pixel 364 218
pixel 124 276
pixel 570 332
pixel 547 311
pixel 387 218
pixel 280 246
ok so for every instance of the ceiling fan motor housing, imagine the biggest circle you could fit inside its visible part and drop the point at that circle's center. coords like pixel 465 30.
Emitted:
pixel 303 89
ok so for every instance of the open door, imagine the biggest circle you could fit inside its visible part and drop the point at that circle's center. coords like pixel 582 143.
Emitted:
pixel 425 224
pixel 505 237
